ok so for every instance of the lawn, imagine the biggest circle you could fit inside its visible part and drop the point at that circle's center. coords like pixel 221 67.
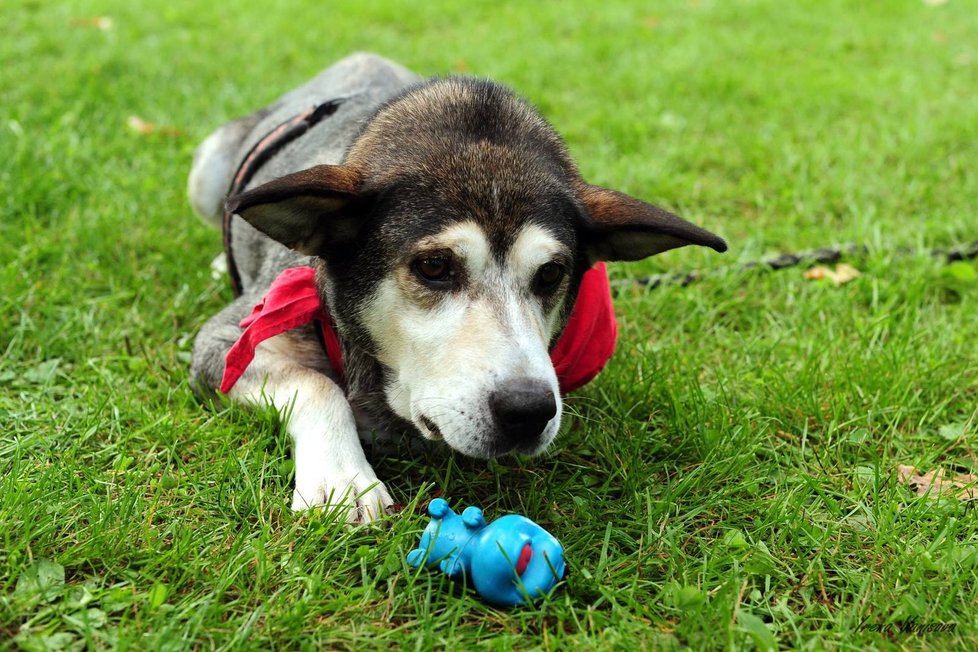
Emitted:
pixel 730 481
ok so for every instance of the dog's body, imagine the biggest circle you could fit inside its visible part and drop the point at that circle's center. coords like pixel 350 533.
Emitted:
pixel 449 231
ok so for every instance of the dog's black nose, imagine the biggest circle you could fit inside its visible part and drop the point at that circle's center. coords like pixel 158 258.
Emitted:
pixel 523 408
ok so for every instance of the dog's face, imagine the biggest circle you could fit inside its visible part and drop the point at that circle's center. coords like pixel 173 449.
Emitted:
pixel 464 324
pixel 453 240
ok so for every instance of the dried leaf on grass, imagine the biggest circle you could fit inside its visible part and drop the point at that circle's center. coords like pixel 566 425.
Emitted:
pixel 103 23
pixel 938 483
pixel 145 127
pixel 842 273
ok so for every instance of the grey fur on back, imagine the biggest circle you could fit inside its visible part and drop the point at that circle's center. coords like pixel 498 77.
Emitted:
pixel 364 81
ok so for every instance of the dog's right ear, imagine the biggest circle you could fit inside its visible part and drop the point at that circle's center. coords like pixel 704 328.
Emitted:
pixel 310 211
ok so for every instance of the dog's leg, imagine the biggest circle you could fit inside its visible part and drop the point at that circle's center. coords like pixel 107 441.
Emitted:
pixel 330 466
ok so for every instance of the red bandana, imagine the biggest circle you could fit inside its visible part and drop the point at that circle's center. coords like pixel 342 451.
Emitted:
pixel 579 355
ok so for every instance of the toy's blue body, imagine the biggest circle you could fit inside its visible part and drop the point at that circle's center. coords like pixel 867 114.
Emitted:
pixel 509 561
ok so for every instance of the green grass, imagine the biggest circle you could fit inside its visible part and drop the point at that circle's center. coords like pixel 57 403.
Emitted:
pixel 729 481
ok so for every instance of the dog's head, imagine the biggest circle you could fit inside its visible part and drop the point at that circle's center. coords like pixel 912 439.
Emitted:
pixel 452 242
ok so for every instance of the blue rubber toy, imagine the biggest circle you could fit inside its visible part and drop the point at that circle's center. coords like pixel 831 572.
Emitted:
pixel 510 561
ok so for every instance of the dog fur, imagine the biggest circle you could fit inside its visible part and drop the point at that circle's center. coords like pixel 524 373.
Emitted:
pixel 454 176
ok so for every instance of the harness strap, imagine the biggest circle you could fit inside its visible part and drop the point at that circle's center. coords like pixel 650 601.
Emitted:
pixel 257 156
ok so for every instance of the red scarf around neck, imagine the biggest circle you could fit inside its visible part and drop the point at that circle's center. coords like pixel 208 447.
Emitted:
pixel 580 353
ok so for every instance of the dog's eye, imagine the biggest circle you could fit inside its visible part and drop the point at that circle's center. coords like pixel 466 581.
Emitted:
pixel 435 270
pixel 548 278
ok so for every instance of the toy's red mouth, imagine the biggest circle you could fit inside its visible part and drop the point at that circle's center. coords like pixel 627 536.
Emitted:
pixel 524 559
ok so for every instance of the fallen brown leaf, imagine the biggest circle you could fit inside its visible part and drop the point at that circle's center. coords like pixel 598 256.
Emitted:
pixel 842 273
pixel 103 23
pixel 938 483
pixel 145 127
pixel 138 124
pixel 845 273
pixel 650 22
pixel 817 273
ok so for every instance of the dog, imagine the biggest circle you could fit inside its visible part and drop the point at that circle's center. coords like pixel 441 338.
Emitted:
pixel 408 255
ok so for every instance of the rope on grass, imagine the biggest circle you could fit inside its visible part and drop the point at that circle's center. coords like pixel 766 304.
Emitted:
pixel 822 255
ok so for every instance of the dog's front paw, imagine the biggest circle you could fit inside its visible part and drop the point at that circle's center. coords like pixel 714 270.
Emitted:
pixel 359 496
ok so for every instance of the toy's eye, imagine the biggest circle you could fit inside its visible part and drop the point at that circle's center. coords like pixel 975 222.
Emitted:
pixel 548 278
pixel 435 271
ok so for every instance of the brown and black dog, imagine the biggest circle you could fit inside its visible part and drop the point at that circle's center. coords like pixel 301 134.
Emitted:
pixel 415 249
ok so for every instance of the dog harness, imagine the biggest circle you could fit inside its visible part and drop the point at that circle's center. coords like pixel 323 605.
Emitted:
pixel 584 347
pixel 257 156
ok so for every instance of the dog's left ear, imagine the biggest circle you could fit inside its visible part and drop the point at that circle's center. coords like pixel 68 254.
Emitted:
pixel 311 211
pixel 624 228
